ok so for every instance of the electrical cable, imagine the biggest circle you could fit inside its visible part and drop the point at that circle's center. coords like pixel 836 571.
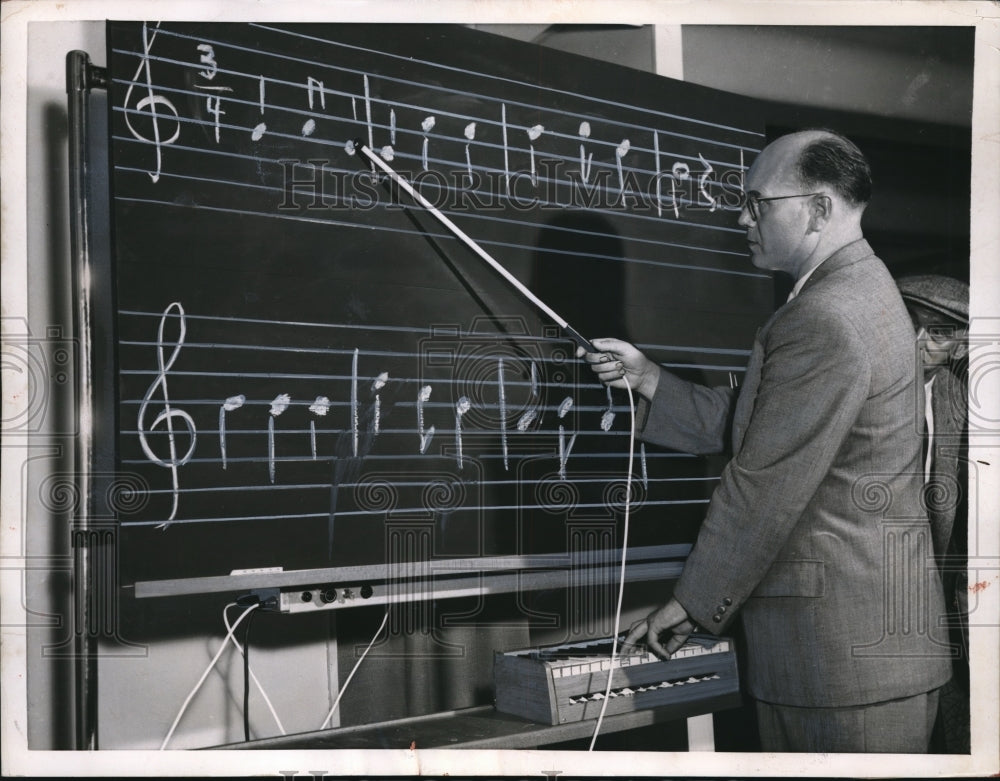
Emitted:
pixel 246 679
pixel 357 664
pixel 253 677
pixel 211 665
pixel 621 581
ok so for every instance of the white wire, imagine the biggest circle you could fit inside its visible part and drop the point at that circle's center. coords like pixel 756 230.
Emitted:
pixel 253 677
pixel 621 581
pixel 208 669
pixel 357 664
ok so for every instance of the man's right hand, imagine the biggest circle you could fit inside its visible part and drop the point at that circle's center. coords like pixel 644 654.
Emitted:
pixel 617 363
pixel 671 618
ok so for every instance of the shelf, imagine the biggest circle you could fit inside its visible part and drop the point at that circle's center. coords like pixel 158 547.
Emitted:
pixel 482 727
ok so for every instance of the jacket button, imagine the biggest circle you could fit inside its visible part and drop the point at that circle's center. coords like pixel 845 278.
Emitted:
pixel 722 608
pixel 717 618
pixel 727 601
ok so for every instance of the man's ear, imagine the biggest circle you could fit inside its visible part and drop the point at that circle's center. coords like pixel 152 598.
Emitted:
pixel 820 212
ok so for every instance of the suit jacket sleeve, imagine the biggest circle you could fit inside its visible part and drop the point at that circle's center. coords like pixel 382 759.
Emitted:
pixel 815 377
pixel 687 417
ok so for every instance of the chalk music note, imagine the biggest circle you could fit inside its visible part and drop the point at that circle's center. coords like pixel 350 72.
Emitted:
pixel 461 407
pixel 312 87
pixel 564 448
pixel 584 132
pixel 230 404
pixel 531 413
pixel 377 385
pixel 680 172
pixel 470 134
pixel 150 102
pixel 388 151
pixel 279 405
pixel 609 414
pixel 427 125
pixel 534 133
pixel 169 414
pixel 525 421
pixel 261 127
pixel 319 407
pixel 425 436
pixel 620 152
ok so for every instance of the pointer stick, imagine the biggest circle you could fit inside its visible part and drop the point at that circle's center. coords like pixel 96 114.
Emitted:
pixel 571 332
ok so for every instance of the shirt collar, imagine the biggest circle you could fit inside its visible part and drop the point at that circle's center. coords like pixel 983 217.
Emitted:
pixel 802 281
pixel 846 255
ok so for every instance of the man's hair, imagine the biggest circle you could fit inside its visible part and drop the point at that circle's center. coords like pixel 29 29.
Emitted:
pixel 836 161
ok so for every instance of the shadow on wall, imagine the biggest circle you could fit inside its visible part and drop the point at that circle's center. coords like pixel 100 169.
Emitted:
pixel 577 269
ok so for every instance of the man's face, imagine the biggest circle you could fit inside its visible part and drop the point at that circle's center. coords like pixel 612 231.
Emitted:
pixel 940 339
pixel 778 239
pixel 939 345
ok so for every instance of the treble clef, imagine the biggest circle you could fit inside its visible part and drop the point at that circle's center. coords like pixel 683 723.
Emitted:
pixel 150 102
pixel 168 414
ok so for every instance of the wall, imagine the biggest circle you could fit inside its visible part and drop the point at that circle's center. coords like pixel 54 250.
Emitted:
pixel 914 73
pixel 628 45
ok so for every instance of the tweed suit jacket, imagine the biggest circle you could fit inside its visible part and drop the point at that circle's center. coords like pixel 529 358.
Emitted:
pixel 816 533
pixel 949 405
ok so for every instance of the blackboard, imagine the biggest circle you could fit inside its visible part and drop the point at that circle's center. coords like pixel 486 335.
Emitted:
pixel 306 363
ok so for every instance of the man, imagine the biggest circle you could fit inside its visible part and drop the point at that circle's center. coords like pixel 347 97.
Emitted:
pixel 816 533
pixel 939 309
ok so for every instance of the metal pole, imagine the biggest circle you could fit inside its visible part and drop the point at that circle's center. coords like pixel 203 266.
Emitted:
pixel 81 76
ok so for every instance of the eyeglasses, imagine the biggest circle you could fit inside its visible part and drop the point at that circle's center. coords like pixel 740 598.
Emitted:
pixel 753 201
